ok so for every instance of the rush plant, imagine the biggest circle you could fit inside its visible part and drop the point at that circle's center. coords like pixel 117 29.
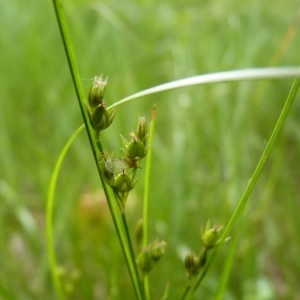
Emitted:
pixel 119 175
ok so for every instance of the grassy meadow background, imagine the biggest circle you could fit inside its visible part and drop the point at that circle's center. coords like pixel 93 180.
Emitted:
pixel 207 142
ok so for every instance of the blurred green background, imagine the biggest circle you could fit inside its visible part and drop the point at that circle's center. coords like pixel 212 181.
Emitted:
pixel 207 142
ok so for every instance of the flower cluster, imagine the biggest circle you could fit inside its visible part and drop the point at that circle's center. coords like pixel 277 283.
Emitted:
pixel 100 117
pixel 150 255
pixel 136 148
pixel 210 238
pixel 121 174
pixel 194 263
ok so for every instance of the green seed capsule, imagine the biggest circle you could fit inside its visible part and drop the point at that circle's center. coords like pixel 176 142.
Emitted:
pixel 101 118
pixel 135 149
pixel 191 264
pixel 150 255
pixel 123 183
pixel 97 91
pixel 157 250
pixel 145 261
pixel 210 236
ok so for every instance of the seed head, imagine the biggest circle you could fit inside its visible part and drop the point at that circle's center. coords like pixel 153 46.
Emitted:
pixel 210 236
pixel 97 91
pixel 150 255
pixel 100 117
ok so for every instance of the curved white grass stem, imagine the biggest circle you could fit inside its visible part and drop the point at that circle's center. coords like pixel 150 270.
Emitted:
pixel 226 76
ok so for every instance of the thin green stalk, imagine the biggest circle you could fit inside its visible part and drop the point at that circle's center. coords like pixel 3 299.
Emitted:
pixel 67 42
pixel 50 213
pixel 132 255
pixel 73 66
pixel 147 178
pixel 227 266
pixel 129 252
pixel 264 157
pixel 253 180
pixel 146 195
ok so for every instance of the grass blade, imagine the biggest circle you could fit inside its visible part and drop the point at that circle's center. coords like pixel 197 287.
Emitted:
pixel 50 212
pixel 251 184
pixel 227 76
pixel 146 195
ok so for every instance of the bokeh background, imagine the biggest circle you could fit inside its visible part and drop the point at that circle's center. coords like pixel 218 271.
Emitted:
pixel 207 142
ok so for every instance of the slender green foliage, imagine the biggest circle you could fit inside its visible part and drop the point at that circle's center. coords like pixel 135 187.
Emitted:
pixel 237 214
pixel 50 214
pixel 64 31
pixel 264 157
pixel 227 76
pixel 116 200
pixel 228 264
pixel 146 195
pixel 147 178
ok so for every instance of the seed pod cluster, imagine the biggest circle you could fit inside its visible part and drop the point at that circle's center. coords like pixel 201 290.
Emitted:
pixel 100 117
pixel 121 173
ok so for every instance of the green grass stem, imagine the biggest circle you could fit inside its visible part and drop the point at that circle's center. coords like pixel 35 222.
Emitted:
pixel 264 157
pixel 147 178
pixel 227 267
pixel 190 289
pixel 133 264
pixel 67 42
pixel 146 195
pixel 50 214
pixel 236 216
